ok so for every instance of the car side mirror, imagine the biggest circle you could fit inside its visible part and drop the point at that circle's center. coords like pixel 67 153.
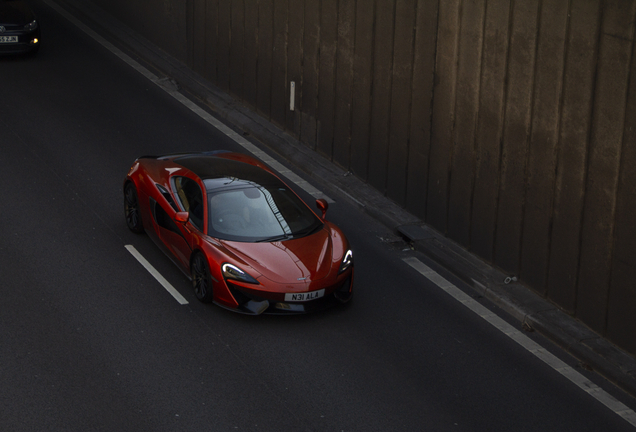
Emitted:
pixel 182 217
pixel 322 205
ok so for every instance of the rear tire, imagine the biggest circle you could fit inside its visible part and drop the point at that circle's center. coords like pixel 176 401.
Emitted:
pixel 201 279
pixel 131 209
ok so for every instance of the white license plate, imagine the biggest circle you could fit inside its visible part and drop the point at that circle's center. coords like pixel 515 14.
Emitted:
pixel 306 296
pixel 8 39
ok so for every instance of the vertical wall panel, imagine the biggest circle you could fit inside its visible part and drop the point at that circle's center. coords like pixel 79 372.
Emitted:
pixel 198 36
pixel 401 89
pixel 490 127
pixel 295 25
pixel 466 108
pixel 309 93
pixel 327 78
pixel 604 157
pixel 237 49
pixel 381 87
pixel 190 33
pixel 443 114
pixel 622 299
pixel 265 44
pixel 223 45
pixel 421 105
pixel 578 85
pixel 361 104
pixel 543 140
pixel 280 86
pixel 250 58
pixel 515 137
pixel 211 40
pixel 344 83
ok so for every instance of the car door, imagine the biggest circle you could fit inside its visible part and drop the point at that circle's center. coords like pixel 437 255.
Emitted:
pixel 169 232
pixel 190 198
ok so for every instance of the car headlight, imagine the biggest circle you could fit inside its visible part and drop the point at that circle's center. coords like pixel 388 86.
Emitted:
pixel 31 26
pixel 347 261
pixel 231 271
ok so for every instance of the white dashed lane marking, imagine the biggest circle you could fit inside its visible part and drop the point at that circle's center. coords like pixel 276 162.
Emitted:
pixel 178 297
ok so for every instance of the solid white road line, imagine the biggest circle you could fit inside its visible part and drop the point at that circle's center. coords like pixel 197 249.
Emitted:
pixel 178 297
pixel 586 385
pixel 172 91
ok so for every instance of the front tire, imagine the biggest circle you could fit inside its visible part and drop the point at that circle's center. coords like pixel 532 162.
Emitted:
pixel 201 279
pixel 131 209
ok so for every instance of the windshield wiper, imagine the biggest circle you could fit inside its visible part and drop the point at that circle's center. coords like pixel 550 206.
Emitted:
pixel 275 238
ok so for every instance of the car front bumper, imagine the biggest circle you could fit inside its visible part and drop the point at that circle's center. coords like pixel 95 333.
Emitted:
pixel 27 42
pixel 249 303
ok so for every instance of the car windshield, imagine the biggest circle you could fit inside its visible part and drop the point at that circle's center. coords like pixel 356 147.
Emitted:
pixel 256 213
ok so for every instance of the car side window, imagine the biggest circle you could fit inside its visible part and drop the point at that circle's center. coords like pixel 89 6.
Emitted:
pixel 168 197
pixel 161 217
pixel 190 199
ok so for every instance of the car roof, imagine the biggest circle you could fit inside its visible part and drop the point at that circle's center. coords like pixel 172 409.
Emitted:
pixel 210 167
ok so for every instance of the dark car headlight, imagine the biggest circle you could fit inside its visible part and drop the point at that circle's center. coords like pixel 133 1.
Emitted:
pixel 31 26
pixel 347 261
pixel 230 271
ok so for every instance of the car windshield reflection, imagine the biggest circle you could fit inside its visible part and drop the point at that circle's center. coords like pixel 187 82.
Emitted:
pixel 256 213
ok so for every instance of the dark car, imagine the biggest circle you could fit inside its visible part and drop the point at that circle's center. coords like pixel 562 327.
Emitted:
pixel 19 30
pixel 247 241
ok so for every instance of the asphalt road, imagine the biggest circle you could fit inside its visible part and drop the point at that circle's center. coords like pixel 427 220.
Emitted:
pixel 90 341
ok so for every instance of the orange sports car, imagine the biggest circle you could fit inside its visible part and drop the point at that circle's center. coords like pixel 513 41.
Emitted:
pixel 245 239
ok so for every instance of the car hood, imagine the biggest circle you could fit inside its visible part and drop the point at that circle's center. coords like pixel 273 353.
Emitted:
pixel 15 12
pixel 293 261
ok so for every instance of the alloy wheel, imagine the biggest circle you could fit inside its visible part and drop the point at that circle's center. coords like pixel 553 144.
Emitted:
pixel 131 209
pixel 201 280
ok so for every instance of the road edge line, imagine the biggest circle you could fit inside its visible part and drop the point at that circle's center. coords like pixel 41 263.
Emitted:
pixel 531 346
